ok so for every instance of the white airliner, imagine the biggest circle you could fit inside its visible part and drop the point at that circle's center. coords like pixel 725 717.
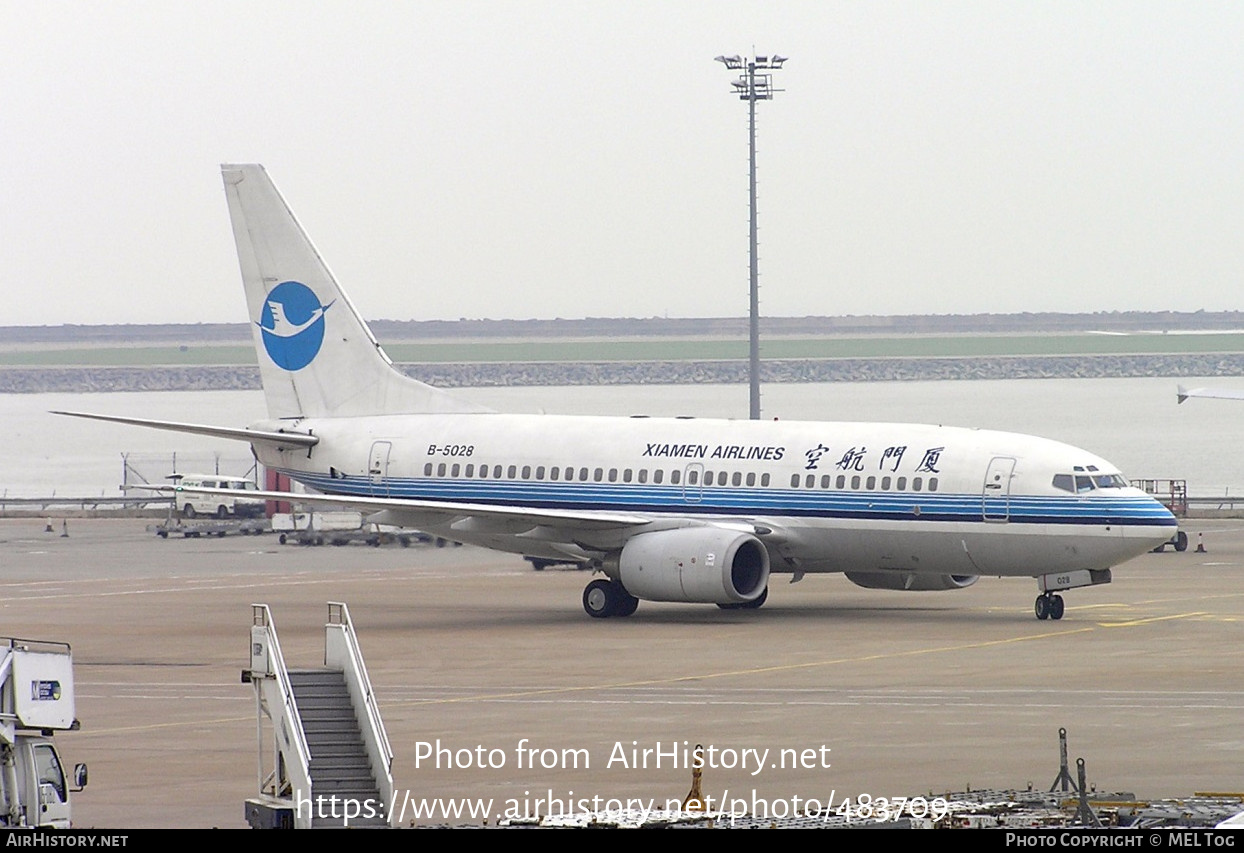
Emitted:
pixel 668 509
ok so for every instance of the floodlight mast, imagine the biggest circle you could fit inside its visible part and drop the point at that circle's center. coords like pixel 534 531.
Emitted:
pixel 752 87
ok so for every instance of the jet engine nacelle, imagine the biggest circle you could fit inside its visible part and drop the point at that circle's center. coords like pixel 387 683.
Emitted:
pixel 705 565
pixel 910 581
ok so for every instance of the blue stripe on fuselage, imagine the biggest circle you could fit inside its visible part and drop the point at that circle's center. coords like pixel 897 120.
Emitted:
pixel 718 500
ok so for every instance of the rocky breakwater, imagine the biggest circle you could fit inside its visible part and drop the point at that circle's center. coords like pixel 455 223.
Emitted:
pixel 27 380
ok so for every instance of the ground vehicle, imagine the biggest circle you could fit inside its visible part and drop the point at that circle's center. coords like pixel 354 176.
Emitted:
pixel 221 506
pixel 36 699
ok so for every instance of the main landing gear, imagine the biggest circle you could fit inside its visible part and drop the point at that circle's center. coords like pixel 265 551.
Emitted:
pixel 1049 606
pixel 603 598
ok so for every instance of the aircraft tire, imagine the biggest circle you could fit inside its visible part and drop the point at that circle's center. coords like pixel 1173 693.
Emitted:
pixel 1057 607
pixel 1042 608
pixel 627 603
pixel 599 599
pixel 1181 541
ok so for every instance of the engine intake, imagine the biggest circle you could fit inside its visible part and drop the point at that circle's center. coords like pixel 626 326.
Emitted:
pixel 910 581
pixel 706 565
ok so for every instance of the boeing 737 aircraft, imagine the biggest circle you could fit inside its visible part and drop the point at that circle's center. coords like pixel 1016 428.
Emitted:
pixel 668 509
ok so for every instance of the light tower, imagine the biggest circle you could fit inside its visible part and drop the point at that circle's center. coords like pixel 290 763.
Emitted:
pixel 754 84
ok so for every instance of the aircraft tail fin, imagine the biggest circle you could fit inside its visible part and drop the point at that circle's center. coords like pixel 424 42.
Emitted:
pixel 317 357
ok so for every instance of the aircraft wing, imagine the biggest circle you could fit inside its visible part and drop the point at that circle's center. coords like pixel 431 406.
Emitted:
pixel 444 510
pixel 277 439
pixel 1183 393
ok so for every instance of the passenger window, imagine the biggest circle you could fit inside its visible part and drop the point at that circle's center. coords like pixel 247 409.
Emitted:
pixel 885 484
pixel 932 484
pixel 496 472
pixel 427 470
pixel 626 475
pixel 764 479
pixel 453 472
pixel 841 482
pixel 737 479
pixel 721 478
pixel 526 472
pixel 643 475
pixel 871 483
pixel 554 472
pixel 470 471
pixel 675 477
pixel 825 481
pixel 657 475
pixel 583 474
pixel 794 481
pixel 901 485
pixel 598 474
pixel 855 481
pixel 915 483
pixel 511 472
pixel 613 475
pixel 440 470
pixel 692 477
pixel 539 472
pixel 810 481
pixel 751 478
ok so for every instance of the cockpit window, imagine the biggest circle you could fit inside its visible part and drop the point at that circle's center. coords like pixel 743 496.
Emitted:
pixel 1082 482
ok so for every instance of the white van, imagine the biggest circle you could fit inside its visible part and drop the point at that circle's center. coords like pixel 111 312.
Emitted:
pixel 221 506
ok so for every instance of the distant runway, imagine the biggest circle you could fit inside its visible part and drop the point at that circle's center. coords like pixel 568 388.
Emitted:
pixel 902 694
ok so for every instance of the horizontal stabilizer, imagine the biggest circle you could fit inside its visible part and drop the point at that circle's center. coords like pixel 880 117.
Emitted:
pixel 254 436
pixel 1182 393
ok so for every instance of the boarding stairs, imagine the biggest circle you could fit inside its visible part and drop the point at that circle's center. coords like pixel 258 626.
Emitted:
pixel 330 757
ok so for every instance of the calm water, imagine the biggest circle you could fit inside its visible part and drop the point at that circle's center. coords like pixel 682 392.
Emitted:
pixel 1134 423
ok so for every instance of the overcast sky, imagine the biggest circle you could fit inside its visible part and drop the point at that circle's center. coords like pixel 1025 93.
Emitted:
pixel 572 159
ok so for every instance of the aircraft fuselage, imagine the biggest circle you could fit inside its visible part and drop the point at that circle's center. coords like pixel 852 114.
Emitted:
pixel 833 497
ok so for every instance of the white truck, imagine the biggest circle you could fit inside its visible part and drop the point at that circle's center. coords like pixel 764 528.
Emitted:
pixel 36 699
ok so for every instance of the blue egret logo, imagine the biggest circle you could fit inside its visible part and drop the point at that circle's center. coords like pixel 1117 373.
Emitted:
pixel 293 324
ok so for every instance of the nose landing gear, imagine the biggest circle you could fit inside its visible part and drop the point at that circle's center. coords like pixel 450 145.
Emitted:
pixel 1049 605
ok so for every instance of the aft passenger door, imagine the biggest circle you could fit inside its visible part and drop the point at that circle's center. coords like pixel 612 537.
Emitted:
pixel 996 492
pixel 378 467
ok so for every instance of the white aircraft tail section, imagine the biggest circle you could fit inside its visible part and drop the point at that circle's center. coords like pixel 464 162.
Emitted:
pixel 316 355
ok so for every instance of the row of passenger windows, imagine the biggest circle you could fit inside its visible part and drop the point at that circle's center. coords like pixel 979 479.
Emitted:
pixel 594 475
pixel 694 477
pixel 870 483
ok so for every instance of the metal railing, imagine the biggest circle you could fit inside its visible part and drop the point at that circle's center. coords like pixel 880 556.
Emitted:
pixel 274 695
pixel 342 652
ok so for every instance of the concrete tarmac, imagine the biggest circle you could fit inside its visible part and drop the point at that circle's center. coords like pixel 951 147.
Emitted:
pixel 900 693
